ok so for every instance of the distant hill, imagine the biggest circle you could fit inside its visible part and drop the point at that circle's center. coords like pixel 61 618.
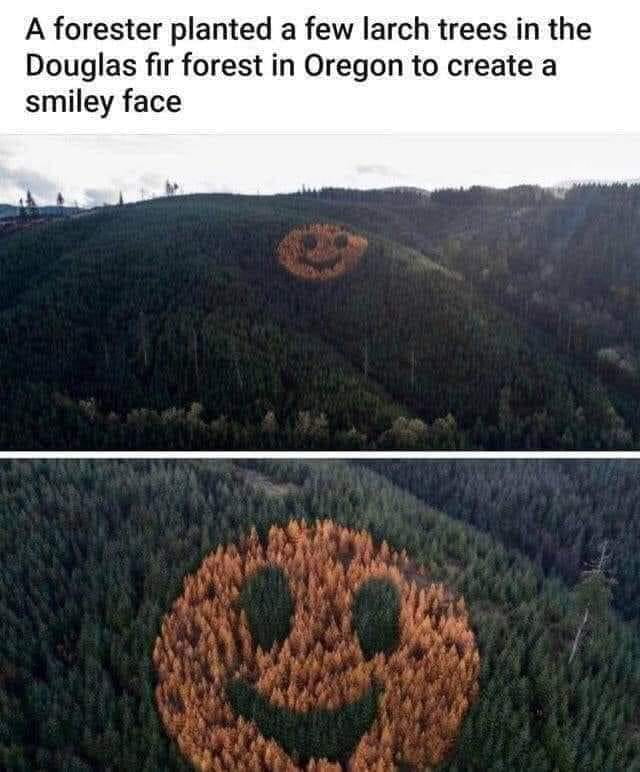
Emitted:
pixel 7 210
pixel 170 323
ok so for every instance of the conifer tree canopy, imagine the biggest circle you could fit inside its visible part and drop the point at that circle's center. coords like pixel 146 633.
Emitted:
pixel 375 614
pixel 94 554
pixel 267 601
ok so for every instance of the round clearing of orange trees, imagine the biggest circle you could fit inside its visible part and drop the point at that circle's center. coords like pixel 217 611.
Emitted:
pixel 314 649
pixel 320 251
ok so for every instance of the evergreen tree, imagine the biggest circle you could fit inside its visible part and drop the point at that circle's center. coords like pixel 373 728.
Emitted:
pixel 32 207
pixel 594 596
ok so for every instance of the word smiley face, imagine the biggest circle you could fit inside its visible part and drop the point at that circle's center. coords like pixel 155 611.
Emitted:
pixel 319 252
pixel 317 650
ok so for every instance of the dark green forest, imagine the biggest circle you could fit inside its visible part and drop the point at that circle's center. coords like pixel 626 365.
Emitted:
pixel 475 319
pixel 93 554
pixel 558 514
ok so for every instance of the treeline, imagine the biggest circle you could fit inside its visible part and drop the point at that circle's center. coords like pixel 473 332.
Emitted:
pixel 146 310
pixel 94 554
pixel 64 423
pixel 393 195
pixel 557 513
pixel 519 195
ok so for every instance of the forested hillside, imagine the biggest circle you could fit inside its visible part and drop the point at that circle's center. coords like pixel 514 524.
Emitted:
pixel 173 324
pixel 93 556
pixel 558 514
pixel 565 263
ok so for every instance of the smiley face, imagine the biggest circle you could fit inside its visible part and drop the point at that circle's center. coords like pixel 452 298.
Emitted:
pixel 317 650
pixel 319 252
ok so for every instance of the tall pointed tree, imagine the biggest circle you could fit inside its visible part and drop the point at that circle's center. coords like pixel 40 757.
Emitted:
pixel 594 595
pixel 32 207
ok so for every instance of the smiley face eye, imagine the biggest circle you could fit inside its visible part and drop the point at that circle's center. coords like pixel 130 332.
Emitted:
pixel 376 614
pixel 267 601
pixel 309 241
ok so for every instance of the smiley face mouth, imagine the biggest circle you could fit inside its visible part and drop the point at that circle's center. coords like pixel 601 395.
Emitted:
pixel 331 734
pixel 321 264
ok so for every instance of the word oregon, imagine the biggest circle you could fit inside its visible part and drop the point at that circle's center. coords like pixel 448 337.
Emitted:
pixel 359 70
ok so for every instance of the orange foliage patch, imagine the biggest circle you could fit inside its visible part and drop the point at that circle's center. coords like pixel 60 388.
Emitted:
pixel 428 681
pixel 320 252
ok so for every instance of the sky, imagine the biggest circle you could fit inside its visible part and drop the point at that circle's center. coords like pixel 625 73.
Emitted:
pixel 92 170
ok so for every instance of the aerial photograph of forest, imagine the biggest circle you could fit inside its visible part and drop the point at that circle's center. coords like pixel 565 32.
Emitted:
pixel 324 318
pixel 319 615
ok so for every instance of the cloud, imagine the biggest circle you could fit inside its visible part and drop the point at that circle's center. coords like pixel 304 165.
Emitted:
pixel 100 196
pixel 379 170
pixel 14 180
pixel 153 180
